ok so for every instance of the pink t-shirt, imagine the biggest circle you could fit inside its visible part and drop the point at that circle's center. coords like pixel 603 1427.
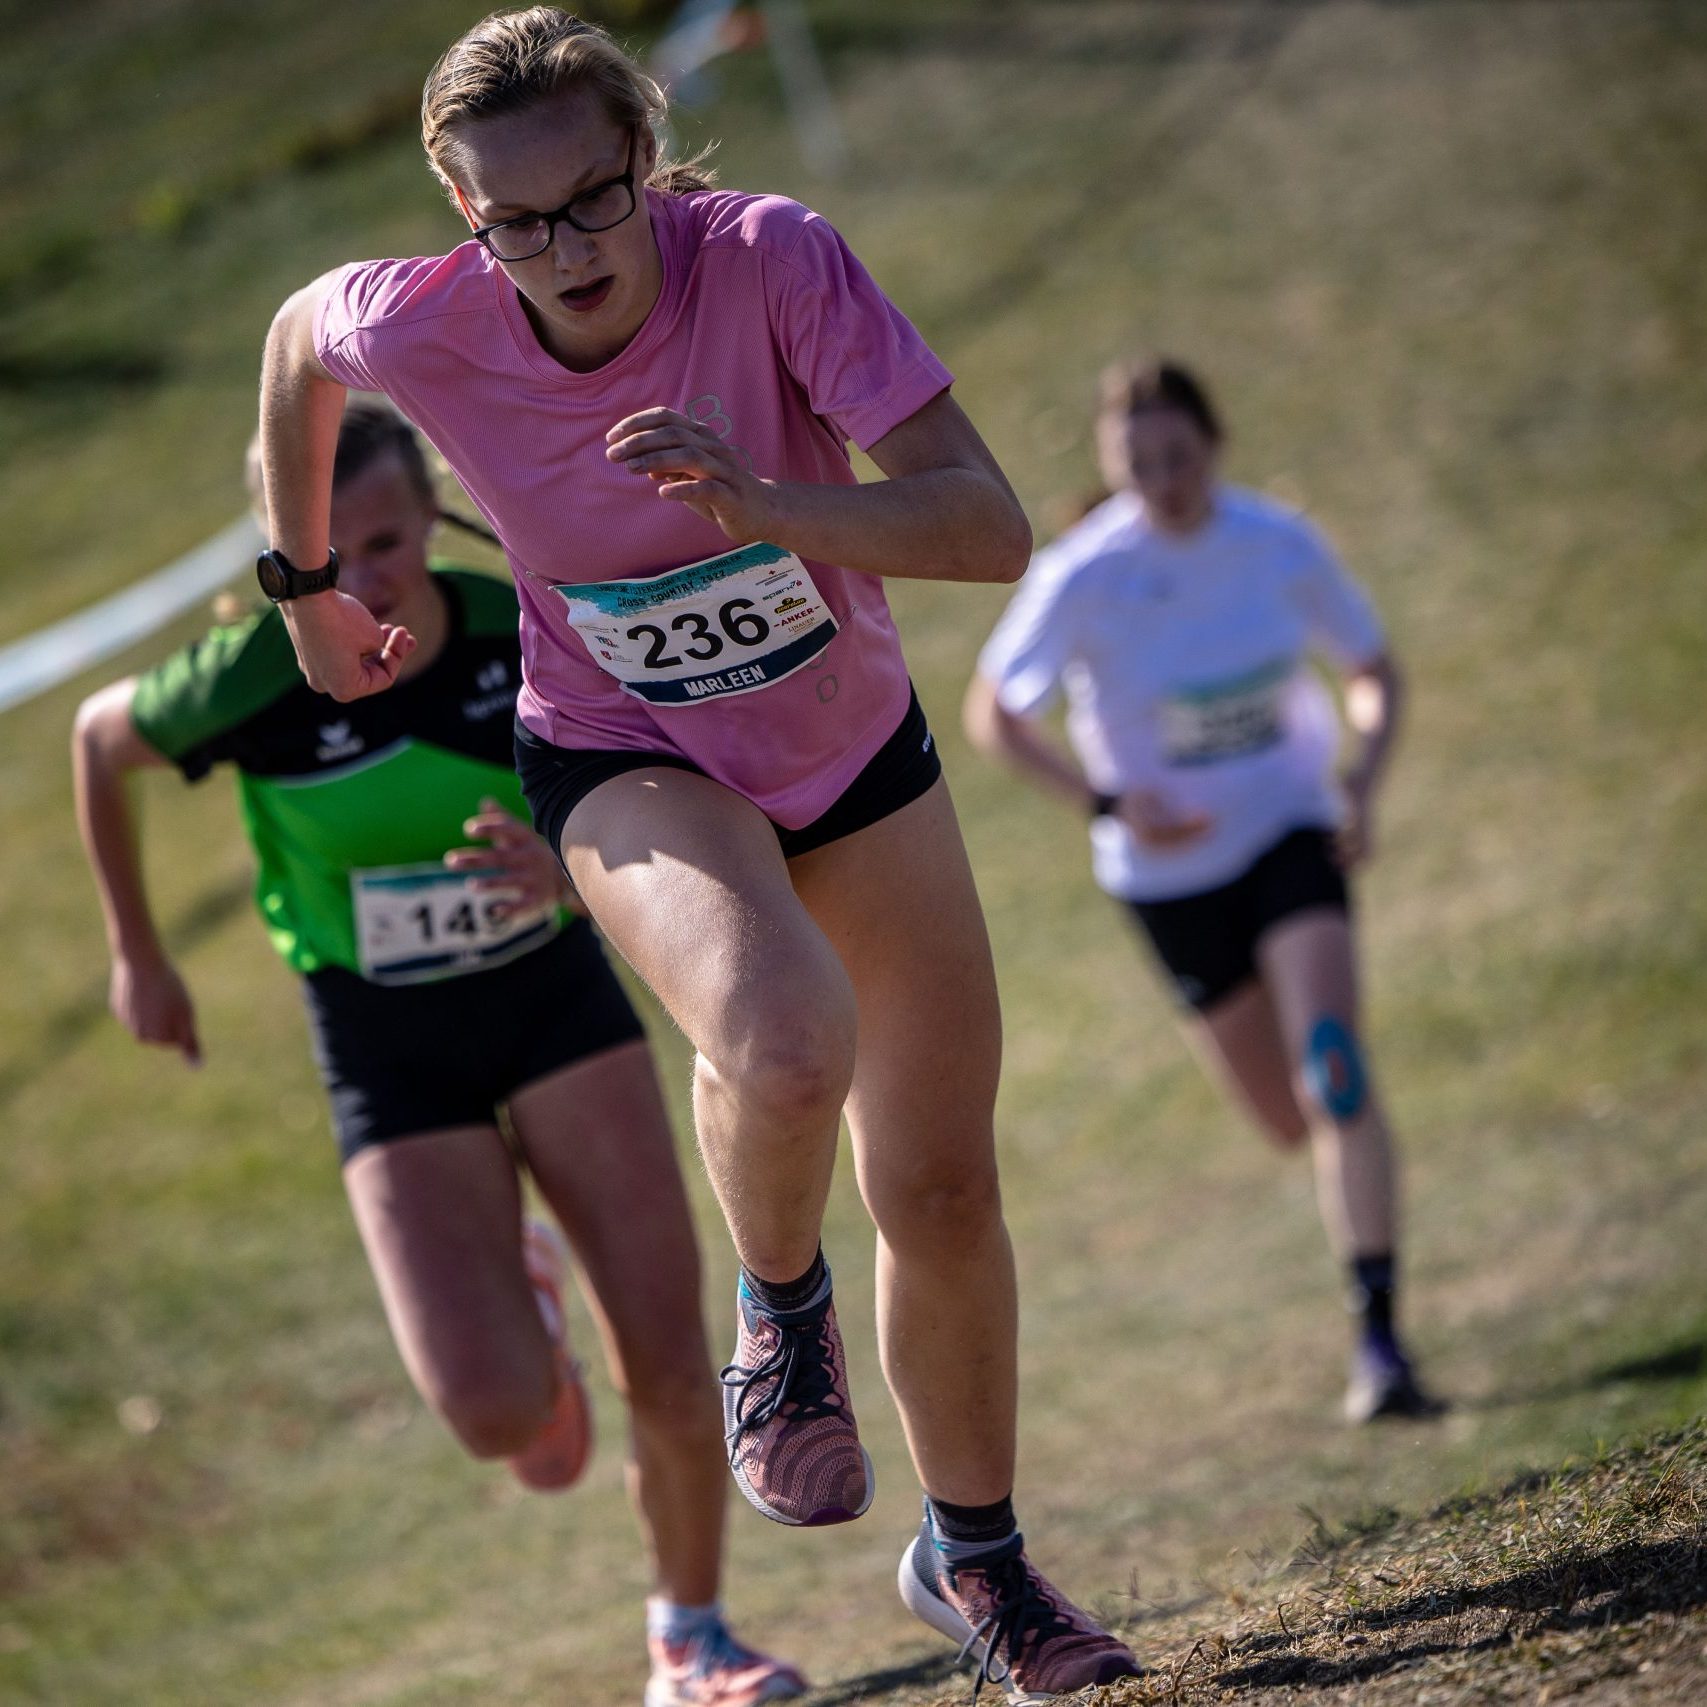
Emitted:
pixel 767 328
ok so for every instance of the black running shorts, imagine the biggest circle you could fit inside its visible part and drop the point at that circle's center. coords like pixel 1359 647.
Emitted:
pixel 557 779
pixel 403 1059
pixel 1207 942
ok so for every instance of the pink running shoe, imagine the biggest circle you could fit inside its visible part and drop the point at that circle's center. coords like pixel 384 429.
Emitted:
pixel 793 1443
pixel 712 1669
pixel 555 1458
pixel 1027 1636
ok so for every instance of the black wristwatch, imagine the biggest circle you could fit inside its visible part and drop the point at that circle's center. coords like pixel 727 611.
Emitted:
pixel 281 579
pixel 1104 805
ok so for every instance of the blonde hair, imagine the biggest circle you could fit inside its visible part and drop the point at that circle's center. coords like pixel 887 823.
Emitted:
pixel 511 61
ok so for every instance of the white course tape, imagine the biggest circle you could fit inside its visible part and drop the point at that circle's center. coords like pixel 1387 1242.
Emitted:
pixel 53 655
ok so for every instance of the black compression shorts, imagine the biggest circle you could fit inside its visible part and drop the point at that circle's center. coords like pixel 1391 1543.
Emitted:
pixel 557 779
pixel 403 1059
pixel 1207 942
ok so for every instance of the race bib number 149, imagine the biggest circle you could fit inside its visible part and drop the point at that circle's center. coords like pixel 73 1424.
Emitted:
pixel 730 625
pixel 415 923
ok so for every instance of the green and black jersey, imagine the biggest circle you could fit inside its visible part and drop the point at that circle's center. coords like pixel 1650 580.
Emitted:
pixel 351 808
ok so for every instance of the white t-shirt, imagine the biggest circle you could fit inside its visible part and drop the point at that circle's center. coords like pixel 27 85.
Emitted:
pixel 1185 664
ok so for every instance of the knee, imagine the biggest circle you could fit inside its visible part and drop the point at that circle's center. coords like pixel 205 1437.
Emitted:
pixel 1333 1075
pixel 950 1203
pixel 492 1417
pixel 675 1402
pixel 792 1062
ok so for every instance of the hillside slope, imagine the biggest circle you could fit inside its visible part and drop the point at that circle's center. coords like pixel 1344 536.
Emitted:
pixel 1442 264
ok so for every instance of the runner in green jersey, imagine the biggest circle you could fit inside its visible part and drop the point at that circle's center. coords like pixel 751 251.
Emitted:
pixel 396 876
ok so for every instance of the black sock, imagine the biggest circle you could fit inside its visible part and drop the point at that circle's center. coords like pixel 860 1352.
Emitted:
pixel 786 1295
pixel 966 1529
pixel 1373 1284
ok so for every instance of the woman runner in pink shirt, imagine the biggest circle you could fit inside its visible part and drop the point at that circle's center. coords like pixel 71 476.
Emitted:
pixel 647 387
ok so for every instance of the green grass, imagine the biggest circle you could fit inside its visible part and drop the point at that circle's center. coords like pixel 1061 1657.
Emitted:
pixel 1442 263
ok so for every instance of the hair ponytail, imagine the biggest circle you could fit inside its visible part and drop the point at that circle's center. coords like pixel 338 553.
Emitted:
pixel 452 519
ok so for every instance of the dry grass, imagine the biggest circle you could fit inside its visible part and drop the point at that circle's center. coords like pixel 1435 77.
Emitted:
pixel 1586 1584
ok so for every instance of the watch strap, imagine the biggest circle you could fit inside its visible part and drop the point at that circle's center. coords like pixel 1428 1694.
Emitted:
pixel 281 579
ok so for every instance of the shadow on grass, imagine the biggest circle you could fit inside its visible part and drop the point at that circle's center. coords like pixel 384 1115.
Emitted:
pixel 936 1669
pixel 1686 1360
pixel 1617 1586
pixel 1681 1362
pixel 64 1029
pixel 1622 1585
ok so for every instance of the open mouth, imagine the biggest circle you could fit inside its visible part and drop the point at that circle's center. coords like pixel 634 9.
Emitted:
pixel 584 298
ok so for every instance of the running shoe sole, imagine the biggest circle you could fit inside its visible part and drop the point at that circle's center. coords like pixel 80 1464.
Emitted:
pixel 661 1693
pixel 825 1516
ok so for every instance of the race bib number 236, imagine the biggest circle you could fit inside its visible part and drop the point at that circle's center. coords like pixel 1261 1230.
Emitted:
pixel 730 625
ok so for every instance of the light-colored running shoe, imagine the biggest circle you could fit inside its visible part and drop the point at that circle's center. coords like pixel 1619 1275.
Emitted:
pixel 1028 1638
pixel 713 1669
pixel 556 1457
pixel 1383 1384
pixel 793 1443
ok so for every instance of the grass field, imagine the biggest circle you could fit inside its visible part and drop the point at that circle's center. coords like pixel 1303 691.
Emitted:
pixel 1444 263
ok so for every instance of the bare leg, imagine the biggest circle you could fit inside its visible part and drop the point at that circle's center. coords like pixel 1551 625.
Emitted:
pixel 687 881
pixel 440 1217
pixel 898 905
pixel 1309 968
pixel 597 1141
pixel 1239 1042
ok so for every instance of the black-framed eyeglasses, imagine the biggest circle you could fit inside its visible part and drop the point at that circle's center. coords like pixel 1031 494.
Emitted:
pixel 595 209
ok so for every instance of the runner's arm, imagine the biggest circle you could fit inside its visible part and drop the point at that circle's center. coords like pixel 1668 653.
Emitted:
pixel 1023 744
pixel 945 512
pixel 343 651
pixel 1374 700
pixel 145 992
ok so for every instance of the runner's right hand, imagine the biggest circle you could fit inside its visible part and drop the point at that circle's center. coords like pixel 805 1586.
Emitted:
pixel 342 649
pixel 150 1000
pixel 1159 825
pixel 515 864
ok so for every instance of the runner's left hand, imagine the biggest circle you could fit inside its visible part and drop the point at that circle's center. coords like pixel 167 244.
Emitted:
pixel 690 464
pixel 1158 823
pixel 514 864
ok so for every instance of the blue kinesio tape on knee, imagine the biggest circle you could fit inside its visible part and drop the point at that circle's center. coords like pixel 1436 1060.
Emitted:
pixel 1333 1069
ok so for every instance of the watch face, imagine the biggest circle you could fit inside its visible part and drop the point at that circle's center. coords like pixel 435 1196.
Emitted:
pixel 271 574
